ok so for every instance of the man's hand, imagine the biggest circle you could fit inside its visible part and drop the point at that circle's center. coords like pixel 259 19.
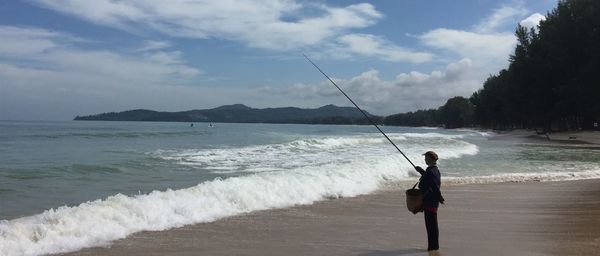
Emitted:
pixel 419 169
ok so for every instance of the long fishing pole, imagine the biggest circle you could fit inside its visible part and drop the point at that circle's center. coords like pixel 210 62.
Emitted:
pixel 363 112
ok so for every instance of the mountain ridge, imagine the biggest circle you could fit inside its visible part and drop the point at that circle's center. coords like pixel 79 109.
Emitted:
pixel 240 113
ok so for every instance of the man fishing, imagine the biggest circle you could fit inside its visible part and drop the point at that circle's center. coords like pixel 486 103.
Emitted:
pixel 429 185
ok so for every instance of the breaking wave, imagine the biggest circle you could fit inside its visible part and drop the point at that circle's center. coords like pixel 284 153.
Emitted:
pixel 278 175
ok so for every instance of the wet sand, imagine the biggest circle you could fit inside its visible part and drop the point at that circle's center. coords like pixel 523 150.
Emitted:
pixel 591 138
pixel 533 218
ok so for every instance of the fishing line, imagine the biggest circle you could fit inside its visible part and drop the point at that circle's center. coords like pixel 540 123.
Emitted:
pixel 363 112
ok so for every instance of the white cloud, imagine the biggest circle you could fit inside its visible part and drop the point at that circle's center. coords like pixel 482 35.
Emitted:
pixel 58 80
pixel 302 91
pixel 58 77
pixel 48 48
pixel 280 25
pixel 378 47
pixel 270 24
pixel 483 50
pixel 41 68
pixel 487 45
pixel 471 44
pixel 533 20
pixel 151 45
pixel 499 18
pixel 17 41
pixel 407 92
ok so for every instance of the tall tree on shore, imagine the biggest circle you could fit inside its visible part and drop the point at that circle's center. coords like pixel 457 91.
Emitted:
pixel 457 112
pixel 552 80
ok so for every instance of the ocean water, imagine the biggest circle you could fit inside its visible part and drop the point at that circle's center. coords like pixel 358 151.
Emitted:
pixel 70 185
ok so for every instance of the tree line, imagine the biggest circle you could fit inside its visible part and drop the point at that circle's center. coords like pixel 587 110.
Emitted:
pixel 457 112
pixel 552 81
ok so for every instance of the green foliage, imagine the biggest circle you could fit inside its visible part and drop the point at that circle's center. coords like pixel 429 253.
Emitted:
pixel 552 81
pixel 418 118
pixel 457 112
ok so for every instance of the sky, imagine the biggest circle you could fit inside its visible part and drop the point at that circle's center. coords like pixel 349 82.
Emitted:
pixel 63 58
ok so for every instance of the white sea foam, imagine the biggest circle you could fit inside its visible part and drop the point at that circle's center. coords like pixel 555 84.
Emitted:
pixel 500 178
pixel 428 128
pixel 478 132
pixel 306 171
pixel 434 135
pixel 525 177
pixel 315 152
pixel 97 222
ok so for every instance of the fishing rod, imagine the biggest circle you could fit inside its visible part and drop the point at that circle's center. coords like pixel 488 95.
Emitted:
pixel 363 112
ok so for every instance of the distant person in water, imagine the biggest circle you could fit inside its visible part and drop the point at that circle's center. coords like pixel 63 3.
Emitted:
pixel 429 185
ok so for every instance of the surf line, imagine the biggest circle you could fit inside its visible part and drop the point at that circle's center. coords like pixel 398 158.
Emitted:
pixel 363 112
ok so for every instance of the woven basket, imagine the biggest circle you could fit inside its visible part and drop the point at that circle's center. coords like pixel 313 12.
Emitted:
pixel 414 200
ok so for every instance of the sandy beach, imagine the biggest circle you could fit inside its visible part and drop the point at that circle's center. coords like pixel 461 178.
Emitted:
pixel 532 218
pixel 560 138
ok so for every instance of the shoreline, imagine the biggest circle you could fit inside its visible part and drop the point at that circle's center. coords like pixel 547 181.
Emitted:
pixel 590 138
pixel 530 218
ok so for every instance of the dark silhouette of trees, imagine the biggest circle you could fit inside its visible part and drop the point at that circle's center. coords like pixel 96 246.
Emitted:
pixel 457 112
pixel 419 118
pixel 553 80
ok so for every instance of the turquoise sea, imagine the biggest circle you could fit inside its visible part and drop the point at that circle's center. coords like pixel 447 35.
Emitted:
pixel 68 185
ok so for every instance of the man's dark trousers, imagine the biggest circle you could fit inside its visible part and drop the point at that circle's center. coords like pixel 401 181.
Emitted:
pixel 432 230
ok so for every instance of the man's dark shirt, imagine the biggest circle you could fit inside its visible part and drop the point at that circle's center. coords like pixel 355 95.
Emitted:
pixel 429 184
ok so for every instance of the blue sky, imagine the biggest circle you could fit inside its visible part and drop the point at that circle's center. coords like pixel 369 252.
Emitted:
pixel 62 58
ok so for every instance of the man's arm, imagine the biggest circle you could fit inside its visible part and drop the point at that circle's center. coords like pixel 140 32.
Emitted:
pixel 420 170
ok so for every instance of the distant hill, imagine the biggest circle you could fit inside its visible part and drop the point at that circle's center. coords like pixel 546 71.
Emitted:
pixel 238 113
